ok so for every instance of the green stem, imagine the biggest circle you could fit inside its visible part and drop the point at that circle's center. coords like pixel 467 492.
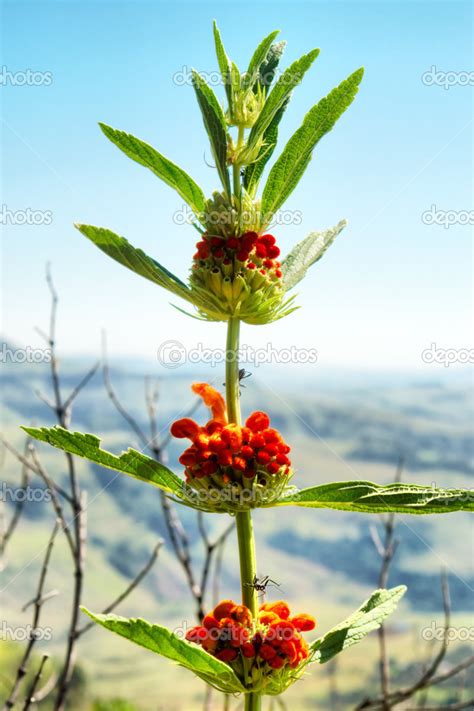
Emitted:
pixel 236 166
pixel 245 535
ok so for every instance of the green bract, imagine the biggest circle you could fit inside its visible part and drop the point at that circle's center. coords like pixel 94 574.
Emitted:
pixel 256 101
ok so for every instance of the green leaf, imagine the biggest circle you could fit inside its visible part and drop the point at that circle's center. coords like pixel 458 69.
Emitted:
pixel 235 79
pixel 290 166
pixel 165 169
pixel 253 172
pixel 368 618
pixel 270 65
pixel 135 259
pixel 214 121
pixel 131 462
pixel 306 253
pixel 290 78
pixel 367 497
pixel 224 63
pixel 259 56
pixel 164 642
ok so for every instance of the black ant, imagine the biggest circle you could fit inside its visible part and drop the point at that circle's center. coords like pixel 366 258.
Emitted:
pixel 242 172
pixel 243 374
pixel 261 584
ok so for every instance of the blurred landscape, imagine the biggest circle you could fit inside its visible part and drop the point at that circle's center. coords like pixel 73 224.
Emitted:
pixel 341 426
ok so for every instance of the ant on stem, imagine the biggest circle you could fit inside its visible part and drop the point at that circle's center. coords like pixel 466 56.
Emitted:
pixel 261 584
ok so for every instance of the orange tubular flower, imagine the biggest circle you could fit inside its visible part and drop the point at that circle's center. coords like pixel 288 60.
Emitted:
pixel 273 641
pixel 252 458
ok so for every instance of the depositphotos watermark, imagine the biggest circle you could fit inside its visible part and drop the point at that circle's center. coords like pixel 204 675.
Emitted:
pixel 185 216
pixel 173 354
pixel 435 77
pixel 24 633
pixel 438 633
pixel 447 356
pixel 23 494
pixel 24 355
pixel 446 218
pixel 25 77
pixel 184 76
pixel 25 217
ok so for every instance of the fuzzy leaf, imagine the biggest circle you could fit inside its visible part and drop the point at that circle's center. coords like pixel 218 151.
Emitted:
pixel 306 253
pixel 164 642
pixel 131 462
pixel 290 166
pixel 368 618
pixel 259 56
pixel 224 63
pixel 165 169
pixel 215 124
pixel 135 259
pixel 290 78
pixel 367 497
pixel 270 65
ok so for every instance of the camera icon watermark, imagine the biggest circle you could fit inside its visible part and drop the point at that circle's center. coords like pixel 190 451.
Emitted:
pixel 173 354
pixel 446 218
pixel 435 77
pixel 25 77
pixel 447 356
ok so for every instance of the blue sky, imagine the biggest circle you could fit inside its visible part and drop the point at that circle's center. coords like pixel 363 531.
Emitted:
pixel 388 288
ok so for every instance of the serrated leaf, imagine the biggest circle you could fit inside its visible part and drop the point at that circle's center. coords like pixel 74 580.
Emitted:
pixel 290 166
pixel 258 57
pixel 167 644
pixel 368 618
pixel 367 497
pixel 131 462
pixel 215 124
pixel 165 169
pixel 306 253
pixel 135 259
pixel 270 65
pixel 290 78
pixel 224 63
pixel 253 172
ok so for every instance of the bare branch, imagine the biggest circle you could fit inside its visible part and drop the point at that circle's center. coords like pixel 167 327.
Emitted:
pixel 30 697
pixel 18 510
pixel 38 603
pixel 80 386
pixel 55 501
pixel 113 397
pixel 134 583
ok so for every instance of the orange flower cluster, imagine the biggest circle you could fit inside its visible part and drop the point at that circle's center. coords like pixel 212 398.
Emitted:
pixel 273 640
pixel 228 451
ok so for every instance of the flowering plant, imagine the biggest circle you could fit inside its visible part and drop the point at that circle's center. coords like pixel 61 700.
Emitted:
pixel 230 468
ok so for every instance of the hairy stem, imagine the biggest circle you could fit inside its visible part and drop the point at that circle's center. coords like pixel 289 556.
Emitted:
pixel 245 535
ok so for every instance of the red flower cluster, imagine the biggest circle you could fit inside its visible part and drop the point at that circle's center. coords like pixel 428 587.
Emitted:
pixel 250 251
pixel 230 451
pixel 273 639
